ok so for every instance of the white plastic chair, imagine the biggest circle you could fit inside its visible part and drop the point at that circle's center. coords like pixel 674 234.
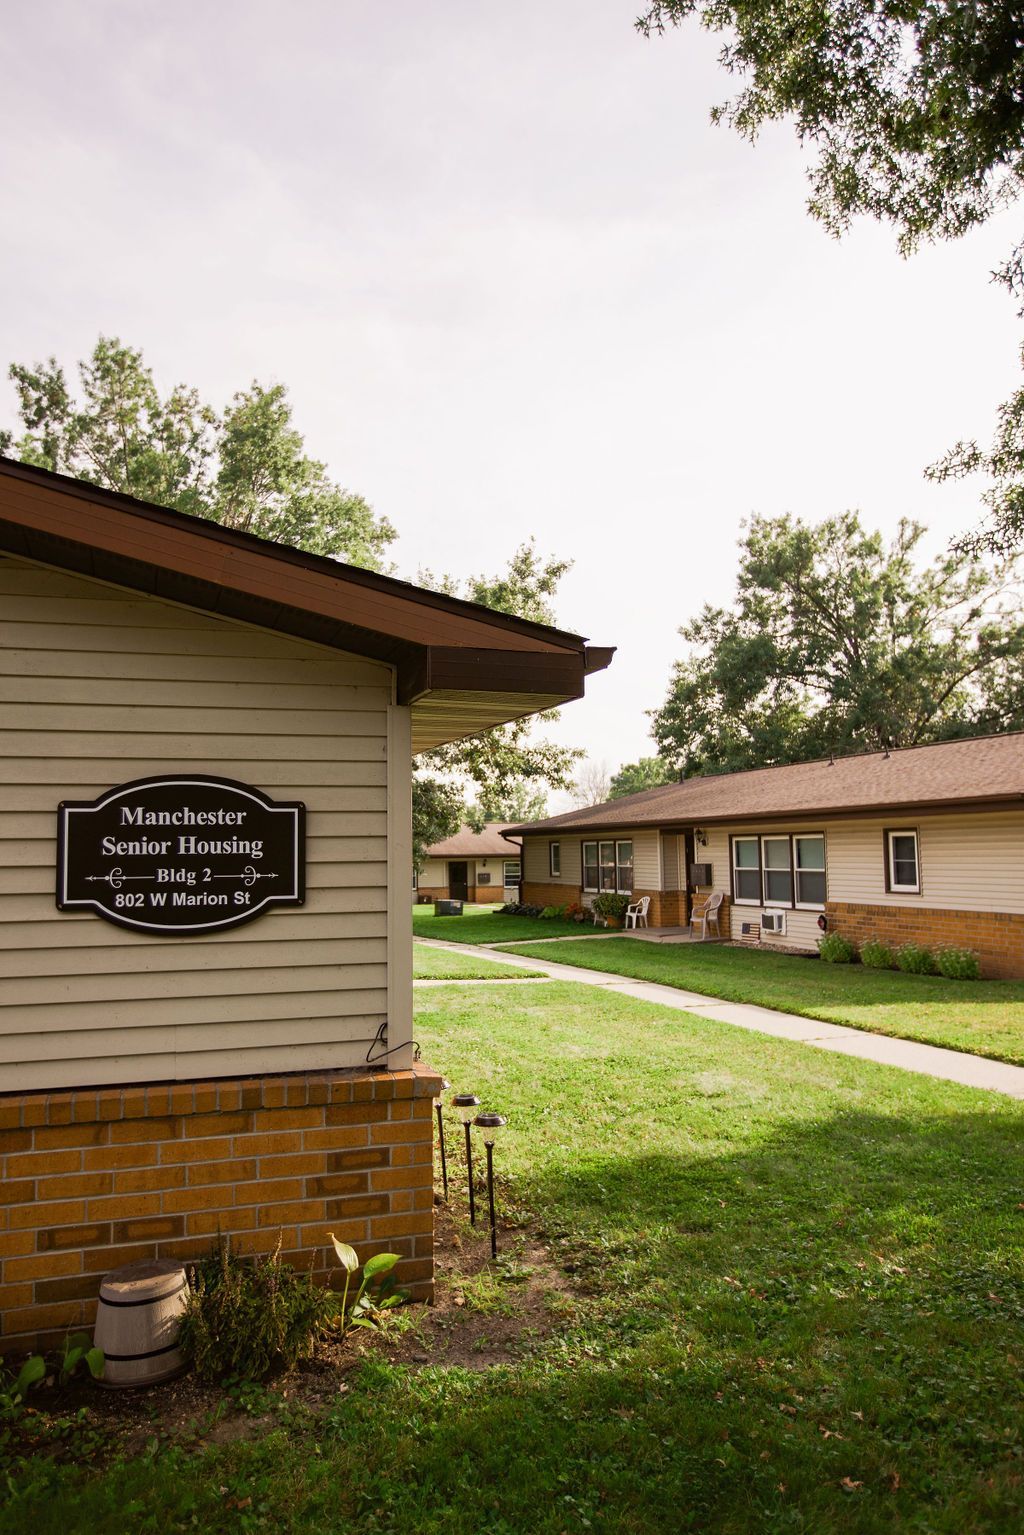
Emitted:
pixel 709 916
pixel 636 915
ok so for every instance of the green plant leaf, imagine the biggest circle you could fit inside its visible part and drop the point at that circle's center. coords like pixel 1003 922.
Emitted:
pixel 71 1360
pixel 30 1374
pixel 346 1254
pixel 383 1263
pixel 96 1360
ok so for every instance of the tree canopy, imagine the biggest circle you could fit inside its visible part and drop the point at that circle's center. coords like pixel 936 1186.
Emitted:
pixel 633 777
pixel 914 110
pixel 500 761
pixel 913 106
pixel 246 467
pixel 839 642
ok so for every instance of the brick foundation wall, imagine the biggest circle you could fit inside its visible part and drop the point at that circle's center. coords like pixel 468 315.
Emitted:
pixel 551 895
pixel 432 892
pixel 997 937
pixel 92 1179
pixel 668 908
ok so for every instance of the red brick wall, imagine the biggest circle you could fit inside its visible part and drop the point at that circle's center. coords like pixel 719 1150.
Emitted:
pixel 90 1180
pixel 551 895
pixel 997 937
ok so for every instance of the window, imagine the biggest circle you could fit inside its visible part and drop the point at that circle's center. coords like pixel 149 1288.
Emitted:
pixel 555 860
pixel 590 866
pixel 513 871
pixel 810 870
pixel 415 879
pixel 902 870
pixel 776 855
pixel 746 870
pixel 608 866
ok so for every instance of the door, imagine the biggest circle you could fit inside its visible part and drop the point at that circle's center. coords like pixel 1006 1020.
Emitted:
pixel 458 881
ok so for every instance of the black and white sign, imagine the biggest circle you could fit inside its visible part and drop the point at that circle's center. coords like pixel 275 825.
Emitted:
pixel 180 854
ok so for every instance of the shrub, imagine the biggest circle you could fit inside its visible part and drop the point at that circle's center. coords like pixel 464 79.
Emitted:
pixel 246 1315
pixel 915 959
pixel 608 904
pixel 551 912
pixel 877 955
pixel 837 950
pixel 958 964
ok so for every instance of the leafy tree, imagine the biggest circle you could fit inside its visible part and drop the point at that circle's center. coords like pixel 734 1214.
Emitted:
pixel 915 110
pixel 246 469
pixel 591 784
pixel 633 777
pixel 500 762
pixel 839 642
pixel 522 802
pixel 437 812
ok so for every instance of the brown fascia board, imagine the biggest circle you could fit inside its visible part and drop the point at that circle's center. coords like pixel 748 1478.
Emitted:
pixel 775 817
pixel 151 546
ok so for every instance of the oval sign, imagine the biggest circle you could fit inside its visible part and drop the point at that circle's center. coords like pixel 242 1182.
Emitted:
pixel 179 854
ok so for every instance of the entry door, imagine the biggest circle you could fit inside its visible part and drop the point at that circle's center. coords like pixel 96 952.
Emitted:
pixel 458 881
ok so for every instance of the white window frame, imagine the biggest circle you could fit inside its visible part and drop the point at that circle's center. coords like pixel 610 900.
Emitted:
pixel 596 843
pixel 890 862
pixel 770 901
pixel 807 836
pixel 746 900
pixel 513 863
pixel 555 860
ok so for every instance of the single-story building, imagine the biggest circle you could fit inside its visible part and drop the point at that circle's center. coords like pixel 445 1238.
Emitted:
pixel 480 866
pixel 205 925
pixel 924 844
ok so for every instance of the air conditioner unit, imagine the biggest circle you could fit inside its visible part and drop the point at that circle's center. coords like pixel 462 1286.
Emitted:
pixel 773 922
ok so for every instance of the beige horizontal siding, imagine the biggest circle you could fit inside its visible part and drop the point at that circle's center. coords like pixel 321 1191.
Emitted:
pixel 98 687
pixel 435 874
pixel 646 859
pixel 537 862
pixel 969 861
pixel 802 931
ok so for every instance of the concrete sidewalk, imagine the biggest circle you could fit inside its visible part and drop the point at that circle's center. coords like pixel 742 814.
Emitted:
pixel 929 1060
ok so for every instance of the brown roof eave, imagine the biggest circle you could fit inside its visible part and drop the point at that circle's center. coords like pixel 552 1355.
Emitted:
pixel 751 818
pixel 46 485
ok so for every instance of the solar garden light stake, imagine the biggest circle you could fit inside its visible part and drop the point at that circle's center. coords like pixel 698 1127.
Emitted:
pixel 439 1107
pixel 466 1104
pixel 489 1125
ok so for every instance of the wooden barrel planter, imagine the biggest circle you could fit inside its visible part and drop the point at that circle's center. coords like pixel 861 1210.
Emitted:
pixel 138 1320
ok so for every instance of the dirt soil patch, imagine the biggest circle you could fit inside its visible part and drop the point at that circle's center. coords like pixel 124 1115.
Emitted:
pixel 485 1313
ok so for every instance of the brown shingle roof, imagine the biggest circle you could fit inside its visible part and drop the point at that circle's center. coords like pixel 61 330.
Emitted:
pixel 467 843
pixel 983 769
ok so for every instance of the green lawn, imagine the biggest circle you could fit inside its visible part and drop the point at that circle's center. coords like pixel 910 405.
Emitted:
pixel 482 924
pixel 793 1303
pixel 438 964
pixel 985 1017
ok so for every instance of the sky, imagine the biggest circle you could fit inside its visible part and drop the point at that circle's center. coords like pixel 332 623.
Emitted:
pixel 515 281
